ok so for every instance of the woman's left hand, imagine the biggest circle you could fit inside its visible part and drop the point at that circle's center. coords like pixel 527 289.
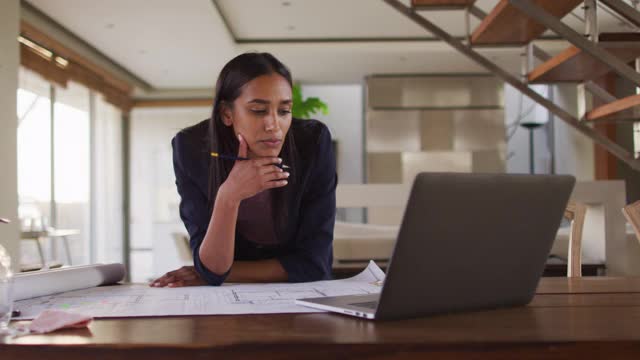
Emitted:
pixel 185 276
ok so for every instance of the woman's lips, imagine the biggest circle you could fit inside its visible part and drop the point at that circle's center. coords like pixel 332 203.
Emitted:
pixel 272 142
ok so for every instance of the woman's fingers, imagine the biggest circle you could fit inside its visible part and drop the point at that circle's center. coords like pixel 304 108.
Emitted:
pixel 253 176
pixel 161 281
pixel 242 146
pixel 192 279
pixel 277 176
pixel 273 180
pixel 267 161
pixel 269 169
pixel 273 177
pixel 276 184
pixel 181 276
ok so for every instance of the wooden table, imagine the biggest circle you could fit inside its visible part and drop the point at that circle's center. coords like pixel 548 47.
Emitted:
pixel 582 318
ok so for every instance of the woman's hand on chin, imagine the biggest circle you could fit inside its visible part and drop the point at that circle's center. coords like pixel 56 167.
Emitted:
pixel 250 177
pixel 185 276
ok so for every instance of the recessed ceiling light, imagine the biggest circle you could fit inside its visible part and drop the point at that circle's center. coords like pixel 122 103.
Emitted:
pixel 35 47
pixel 286 3
pixel 62 62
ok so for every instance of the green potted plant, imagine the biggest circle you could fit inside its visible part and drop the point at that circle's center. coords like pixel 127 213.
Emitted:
pixel 304 108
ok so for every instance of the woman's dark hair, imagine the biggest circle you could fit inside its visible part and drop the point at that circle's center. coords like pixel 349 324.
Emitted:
pixel 222 139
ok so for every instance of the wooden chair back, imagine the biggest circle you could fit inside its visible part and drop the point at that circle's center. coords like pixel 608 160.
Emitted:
pixel 632 213
pixel 575 212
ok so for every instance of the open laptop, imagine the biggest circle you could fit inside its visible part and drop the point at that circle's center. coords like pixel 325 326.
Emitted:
pixel 467 242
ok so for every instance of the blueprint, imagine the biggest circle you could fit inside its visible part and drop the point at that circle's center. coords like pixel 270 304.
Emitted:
pixel 136 300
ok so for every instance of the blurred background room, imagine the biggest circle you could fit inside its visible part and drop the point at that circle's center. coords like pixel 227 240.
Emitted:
pixel 92 92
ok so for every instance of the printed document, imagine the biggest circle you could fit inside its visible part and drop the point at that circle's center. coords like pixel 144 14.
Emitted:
pixel 136 300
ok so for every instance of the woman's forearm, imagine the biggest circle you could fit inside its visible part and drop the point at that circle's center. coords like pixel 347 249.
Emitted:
pixel 217 249
pixel 218 245
pixel 257 271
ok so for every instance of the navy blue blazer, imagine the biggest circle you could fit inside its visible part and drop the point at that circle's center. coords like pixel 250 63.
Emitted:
pixel 307 253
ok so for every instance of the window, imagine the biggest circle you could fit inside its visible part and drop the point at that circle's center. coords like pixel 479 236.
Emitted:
pixel 107 179
pixel 71 167
pixel 34 157
pixel 69 170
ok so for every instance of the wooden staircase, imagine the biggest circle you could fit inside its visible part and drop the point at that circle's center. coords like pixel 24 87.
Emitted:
pixel 506 25
pixel 511 23
pixel 613 108
pixel 574 65
pixel 441 4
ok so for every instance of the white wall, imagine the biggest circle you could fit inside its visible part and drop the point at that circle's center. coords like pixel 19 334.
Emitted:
pixel 107 197
pixel 154 198
pixel 574 151
pixel 9 63
pixel 345 120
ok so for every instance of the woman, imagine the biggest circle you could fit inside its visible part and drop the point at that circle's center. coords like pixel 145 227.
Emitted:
pixel 255 220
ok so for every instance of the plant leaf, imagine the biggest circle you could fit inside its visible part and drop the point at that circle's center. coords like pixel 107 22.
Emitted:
pixel 303 109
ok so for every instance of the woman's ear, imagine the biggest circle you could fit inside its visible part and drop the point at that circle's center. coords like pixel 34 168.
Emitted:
pixel 227 115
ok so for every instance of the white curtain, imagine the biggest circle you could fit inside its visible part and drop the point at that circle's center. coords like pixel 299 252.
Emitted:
pixel 107 232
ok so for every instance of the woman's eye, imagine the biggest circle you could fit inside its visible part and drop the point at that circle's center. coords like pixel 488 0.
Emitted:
pixel 264 112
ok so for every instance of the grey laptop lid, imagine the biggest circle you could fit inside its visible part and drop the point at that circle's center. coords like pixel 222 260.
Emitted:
pixel 472 241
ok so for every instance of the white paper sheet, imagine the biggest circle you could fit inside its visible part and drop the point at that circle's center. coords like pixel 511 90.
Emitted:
pixel 136 300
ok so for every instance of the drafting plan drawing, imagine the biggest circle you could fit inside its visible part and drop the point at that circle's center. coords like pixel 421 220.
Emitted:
pixel 141 300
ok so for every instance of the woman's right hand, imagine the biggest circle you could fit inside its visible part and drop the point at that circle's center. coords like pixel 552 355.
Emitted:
pixel 250 177
pixel 185 276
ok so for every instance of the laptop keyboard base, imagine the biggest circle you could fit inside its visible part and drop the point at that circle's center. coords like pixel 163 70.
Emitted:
pixel 369 304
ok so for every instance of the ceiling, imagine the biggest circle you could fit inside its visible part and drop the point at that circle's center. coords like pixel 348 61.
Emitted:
pixel 183 44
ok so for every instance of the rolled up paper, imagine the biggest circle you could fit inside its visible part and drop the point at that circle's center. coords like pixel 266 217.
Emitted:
pixel 48 282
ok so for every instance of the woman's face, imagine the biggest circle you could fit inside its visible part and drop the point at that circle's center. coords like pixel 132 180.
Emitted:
pixel 262 114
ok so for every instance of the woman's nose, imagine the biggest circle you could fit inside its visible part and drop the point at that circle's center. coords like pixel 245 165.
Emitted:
pixel 270 123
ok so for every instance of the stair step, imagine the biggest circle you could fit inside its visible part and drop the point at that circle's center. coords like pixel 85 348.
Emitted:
pixel 506 25
pixel 614 107
pixel 440 4
pixel 575 65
